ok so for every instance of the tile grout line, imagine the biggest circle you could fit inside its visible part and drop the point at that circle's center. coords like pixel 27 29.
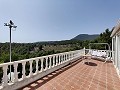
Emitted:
pixel 92 78
pixel 112 77
pixel 82 73
pixel 68 77
pixel 106 77
pixel 99 77
pixel 86 77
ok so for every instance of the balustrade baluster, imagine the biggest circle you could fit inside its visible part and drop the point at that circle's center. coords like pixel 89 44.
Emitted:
pixel 36 65
pixel 41 64
pixel 15 72
pixel 31 61
pixel 60 59
pixel 69 57
pixel 50 62
pixel 53 61
pixel 63 58
pixel 23 70
pixel 46 67
pixel 56 60
pixel 5 77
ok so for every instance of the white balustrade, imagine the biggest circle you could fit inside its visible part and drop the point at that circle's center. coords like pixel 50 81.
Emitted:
pixel 50 63
pixel 55 60
pixel 41 64
pixel 37 66
pixel 15 72
pixel 5 77
pixel 23 70
pixel 31 73
pixel 46 63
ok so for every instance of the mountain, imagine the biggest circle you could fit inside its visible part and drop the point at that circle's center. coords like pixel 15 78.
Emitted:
pixel 85 37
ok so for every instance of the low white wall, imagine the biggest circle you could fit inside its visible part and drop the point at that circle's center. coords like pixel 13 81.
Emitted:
pixel 69 57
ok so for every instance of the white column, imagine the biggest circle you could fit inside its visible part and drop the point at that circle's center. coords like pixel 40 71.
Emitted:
pixel 69 56
pixel 65 57
pixel 59 60
pixel 113 49
pixel 36 65
pixel 73 56
pixel 53 61
pixel 56 60
pixel 23 70
pixel 50 62
pixel 31 73
pixel 15 72
pixel 119 54
pixel 41 64
pixel 5 77
pixel 116 54
pixel 46 67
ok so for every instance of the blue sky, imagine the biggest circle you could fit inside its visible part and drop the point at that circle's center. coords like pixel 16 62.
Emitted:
pixel 50 20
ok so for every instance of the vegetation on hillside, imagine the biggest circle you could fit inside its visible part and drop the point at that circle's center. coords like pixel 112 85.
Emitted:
pixel 31 50
pixel 37 49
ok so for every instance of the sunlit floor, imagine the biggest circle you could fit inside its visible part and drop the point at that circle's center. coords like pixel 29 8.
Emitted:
pixel 80 75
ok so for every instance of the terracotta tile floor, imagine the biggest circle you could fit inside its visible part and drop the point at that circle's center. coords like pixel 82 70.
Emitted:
pixel 80 76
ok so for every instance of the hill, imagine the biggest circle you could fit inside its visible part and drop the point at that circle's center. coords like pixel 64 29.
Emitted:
pixel 85 37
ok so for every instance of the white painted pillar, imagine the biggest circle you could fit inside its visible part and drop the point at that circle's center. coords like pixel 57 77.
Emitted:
pixel 69 56
pixel 113 49
pixel 5 77
pixel 119 54
pixel 66 57
pixel 116 54
pixel 41 64
pixel 50 62
pixel 46 67
pixel 15 72
pixel 23 70
pixel 59 60
pixel 36 65
pixel 31 73
pixel 56 60
pixel 63 58
pixel 53 61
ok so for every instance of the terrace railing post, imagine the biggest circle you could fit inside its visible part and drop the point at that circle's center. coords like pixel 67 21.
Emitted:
pixel 36 65
pixel 15 72
pixel 46 64
pixel 50 62
pixel 23 70
pixel 61 59
pixel 31 73
pixel 53 61
pixel 41 64
pixel 5 77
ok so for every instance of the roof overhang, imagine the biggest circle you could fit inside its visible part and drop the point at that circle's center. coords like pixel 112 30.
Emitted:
pixel 116 30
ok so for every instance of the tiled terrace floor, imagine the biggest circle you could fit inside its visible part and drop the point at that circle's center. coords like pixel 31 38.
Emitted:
pixel 80 76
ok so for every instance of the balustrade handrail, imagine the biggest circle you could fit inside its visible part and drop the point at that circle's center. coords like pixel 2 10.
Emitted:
pixel 23 60
pixel 55 60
